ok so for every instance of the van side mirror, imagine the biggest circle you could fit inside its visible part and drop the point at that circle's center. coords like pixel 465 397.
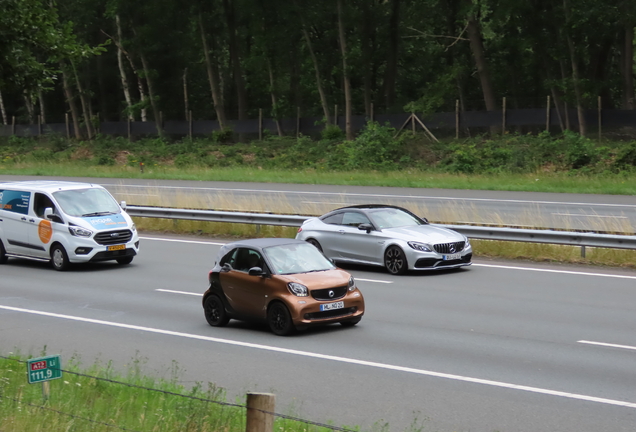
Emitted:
pixel 123 205
pixel 49 215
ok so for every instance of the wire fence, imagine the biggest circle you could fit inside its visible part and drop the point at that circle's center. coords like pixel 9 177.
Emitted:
pixel 110 404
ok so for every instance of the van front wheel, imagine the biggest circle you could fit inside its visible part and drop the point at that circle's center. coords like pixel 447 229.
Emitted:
pixel 59 258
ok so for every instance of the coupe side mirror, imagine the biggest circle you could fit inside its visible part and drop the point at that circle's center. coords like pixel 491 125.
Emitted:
pixel 365 227
pixel 425 220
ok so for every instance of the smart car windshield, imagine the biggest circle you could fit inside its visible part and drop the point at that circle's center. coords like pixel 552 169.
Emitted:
pixel 393 218
pixel 297 258
pixel 87 202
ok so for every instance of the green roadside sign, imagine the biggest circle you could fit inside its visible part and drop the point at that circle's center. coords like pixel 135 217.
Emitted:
pixel 44 369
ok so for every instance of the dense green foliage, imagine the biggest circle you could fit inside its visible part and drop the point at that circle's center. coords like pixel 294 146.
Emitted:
pixel 402 55
pixel 376 148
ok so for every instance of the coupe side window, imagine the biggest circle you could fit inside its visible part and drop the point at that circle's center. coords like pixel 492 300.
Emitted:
pixel 354 219
pixel 335 219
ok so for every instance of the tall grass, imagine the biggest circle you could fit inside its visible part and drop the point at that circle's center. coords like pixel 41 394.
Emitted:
pixel 100 399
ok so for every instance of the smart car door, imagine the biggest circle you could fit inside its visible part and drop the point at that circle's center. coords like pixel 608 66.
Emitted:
pixel 247 294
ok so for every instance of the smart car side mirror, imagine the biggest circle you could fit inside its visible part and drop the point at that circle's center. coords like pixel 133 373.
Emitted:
pixel 365 227
pixel 226 267
pixel 256 271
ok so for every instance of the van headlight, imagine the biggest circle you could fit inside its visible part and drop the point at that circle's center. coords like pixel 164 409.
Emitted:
pixel 422 247
pixel 133 227
pixel 298 289
pixel 79 231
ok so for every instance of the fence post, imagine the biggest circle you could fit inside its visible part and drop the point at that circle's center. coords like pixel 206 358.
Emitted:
pixel 12 125
pixel 503 117
pixel 68 128
pixel 260 407
pixel 371 111
pixel 129 128
pixel 39 124
pixel 190 124
pixel 260 124
pixel 335 115
pixel 600 119
pixel 297 122
pixel 547 115
pixel 456 118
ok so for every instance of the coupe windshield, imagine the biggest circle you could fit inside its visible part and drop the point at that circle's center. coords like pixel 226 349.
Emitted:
pixel 87 202
pixel 393 218
pixel 297 258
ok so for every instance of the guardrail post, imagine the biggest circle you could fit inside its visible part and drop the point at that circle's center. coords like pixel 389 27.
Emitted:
pixel 260 408
pixel 582 251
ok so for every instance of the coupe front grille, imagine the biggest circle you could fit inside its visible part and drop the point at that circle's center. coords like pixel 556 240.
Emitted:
pixel 323 294
pixel 449 248
pixel 113 237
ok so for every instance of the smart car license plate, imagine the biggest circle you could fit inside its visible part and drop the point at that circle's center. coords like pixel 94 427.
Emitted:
pixel 331 306
pixel 116 247
pixel 452 257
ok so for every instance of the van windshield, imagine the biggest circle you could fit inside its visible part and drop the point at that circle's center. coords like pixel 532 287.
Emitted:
pixel 87 202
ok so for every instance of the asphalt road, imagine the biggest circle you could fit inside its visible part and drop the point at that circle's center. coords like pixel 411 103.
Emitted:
pixel 494 347
pixel 613 213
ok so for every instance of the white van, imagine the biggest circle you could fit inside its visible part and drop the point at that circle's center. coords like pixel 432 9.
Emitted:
pixel 64 222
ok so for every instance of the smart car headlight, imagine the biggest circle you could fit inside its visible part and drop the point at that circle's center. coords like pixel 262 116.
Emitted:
pixel 422 247
pixel 297 289
pixel 352 284
pixel 78 231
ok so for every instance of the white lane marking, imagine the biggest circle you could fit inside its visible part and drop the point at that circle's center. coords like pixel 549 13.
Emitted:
pixel 325 202
pixel 607 345
pixel 374 280
pixel 182 241
pixel 586 215
pixel 555 271
pixel 370 195
pixel 337 359
pixel 180 292
pixel 136 194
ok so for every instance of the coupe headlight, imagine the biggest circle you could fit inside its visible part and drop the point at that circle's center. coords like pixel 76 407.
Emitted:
pixel 298 289
pixel 79 231
pixel 352 284
pixel 422 247
pixel 467 242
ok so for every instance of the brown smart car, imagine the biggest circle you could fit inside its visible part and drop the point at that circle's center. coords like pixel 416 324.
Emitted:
pixel 287 283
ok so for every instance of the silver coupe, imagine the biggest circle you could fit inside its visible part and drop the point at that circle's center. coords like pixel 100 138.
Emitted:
pixel 387 236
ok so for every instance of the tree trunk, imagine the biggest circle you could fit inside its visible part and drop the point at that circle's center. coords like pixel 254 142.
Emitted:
pixel 368 28
pixel 345 73
pixel 42 110
pixel 213 79
pixel 3 110
pixel 122 72
pixel 87 117
pixel 151 95
pixel 628 68
pixel 68 91
pixel 477 47
pixel 575 71
pixel 390 76
pixel 28 103
pixel 272 93
pixel 314 60
pixel 239 80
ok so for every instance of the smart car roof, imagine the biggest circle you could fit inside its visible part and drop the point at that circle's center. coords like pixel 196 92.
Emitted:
pixel 46 185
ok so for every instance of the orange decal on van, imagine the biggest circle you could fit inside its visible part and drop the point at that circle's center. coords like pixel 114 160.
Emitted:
pixel 45 231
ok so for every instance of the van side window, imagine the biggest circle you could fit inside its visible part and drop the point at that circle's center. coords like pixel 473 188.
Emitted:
pixel 41 202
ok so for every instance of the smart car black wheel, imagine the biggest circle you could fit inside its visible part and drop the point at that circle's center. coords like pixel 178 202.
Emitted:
pixel 395 261
pixel 315 243
pixel 59 258
pixel 124 261
pixel 3 254
pixel 279 319
pixel 215 313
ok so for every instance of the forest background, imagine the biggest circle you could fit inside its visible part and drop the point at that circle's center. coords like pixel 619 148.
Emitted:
pixel 226 59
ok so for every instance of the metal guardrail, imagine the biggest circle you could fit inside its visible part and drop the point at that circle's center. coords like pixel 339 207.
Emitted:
pixel 476 232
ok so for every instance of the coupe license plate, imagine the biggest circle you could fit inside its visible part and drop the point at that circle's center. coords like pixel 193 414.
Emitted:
pixel 116 247
pixel 452 257
pixel 331 306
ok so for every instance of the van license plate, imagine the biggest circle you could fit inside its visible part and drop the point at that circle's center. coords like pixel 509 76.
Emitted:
pixel 331 306
pixel 116 247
